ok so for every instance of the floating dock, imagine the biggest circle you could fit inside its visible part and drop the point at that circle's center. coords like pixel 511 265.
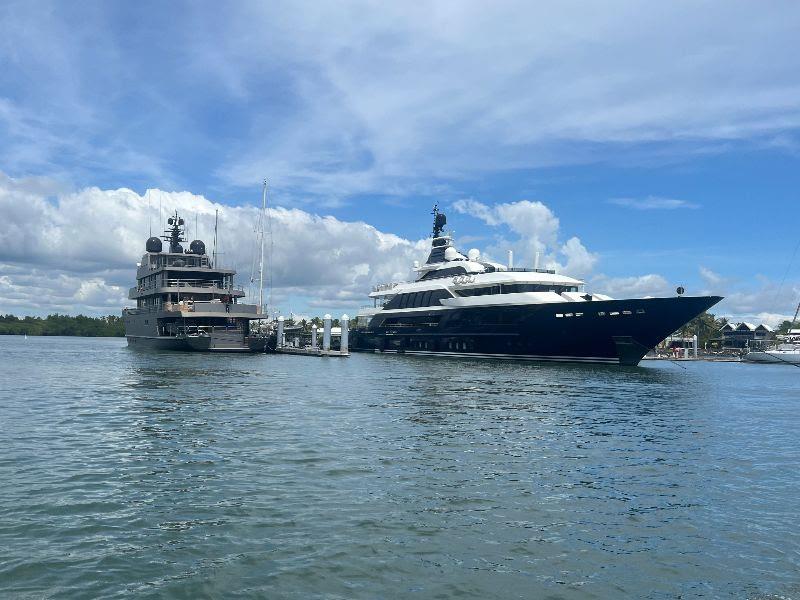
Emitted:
pixel 281 347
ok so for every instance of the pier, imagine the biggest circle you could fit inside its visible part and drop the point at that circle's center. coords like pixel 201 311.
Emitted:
pixel 281 347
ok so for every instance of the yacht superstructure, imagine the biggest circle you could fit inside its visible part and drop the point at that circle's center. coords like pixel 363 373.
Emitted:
pixel 465 306
pixel 186 302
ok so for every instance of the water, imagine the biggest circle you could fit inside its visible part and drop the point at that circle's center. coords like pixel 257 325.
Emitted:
pixel 187 475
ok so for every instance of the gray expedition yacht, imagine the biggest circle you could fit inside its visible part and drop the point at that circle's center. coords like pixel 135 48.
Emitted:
pixel 186 302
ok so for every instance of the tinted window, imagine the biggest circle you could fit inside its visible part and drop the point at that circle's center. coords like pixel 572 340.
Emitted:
pixel 451 272
pixel 426 298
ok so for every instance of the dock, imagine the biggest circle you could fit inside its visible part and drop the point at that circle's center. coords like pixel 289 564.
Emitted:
pixel 281 347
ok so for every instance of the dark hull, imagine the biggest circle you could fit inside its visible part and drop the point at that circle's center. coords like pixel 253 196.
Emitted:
pixel 189 344
pixel 535 332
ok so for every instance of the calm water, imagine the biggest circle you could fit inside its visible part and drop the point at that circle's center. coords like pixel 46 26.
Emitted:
pixel 189 475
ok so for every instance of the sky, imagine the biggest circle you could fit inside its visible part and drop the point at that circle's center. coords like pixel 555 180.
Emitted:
pixel 636 145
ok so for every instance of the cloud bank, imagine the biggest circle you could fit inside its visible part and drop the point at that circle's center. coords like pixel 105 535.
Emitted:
pixel 76 251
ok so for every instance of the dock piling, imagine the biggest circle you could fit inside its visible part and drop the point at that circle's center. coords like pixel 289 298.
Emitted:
pixel 280 341
pixel 345 339
pixel 314 337
pixel 326 332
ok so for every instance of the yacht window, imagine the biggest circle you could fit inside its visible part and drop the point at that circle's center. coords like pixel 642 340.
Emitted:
pixel 559 315
pixel 614 314
pixel 601 314
pixel 639 311
pixel 403 300
pixel 481 291
pixel 426 298
pixel 440 273
pixel 418 297
pixel 626 312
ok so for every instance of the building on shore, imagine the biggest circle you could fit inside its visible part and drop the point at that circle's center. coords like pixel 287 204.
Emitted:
pixel 737 336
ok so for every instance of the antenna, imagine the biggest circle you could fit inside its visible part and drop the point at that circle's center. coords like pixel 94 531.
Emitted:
pixel 216 221
pixel 149 214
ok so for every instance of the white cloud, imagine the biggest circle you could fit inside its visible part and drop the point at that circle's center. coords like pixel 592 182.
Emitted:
pixel 652 203
pixel 711 279
pixel 76 251
pixel 633 287
pixel 343 98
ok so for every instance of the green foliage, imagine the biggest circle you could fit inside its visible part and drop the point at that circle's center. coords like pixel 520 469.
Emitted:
pixel 784 328
pixel 110 326
pixel 705 325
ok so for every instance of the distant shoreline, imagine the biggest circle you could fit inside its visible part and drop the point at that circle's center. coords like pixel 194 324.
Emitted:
pixel 62 325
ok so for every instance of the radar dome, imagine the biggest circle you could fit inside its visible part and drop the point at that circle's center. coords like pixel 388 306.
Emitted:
pixel 474 254
pixel 453 254
pixel 153 245
pixel 197 247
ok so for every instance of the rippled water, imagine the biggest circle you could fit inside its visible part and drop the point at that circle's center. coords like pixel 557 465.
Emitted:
pixel 190 475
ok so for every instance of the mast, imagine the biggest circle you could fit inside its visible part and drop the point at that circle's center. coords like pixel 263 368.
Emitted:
pixel 261 263
pixel 216 220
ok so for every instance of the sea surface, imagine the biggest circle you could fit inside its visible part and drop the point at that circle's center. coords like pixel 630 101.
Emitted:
pixel 135 475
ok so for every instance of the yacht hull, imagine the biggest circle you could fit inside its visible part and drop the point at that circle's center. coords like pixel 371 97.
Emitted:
pixel 617 332
pixel 774 357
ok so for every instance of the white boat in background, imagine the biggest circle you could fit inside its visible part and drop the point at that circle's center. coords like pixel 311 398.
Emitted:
pixel 777 355
pixel 787 350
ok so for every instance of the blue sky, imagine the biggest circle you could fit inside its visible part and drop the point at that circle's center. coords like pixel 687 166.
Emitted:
pixel 664 137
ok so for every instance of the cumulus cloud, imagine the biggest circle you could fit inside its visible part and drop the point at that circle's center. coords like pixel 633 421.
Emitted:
pixel 536 231
pixel 76 251
pixel 653 203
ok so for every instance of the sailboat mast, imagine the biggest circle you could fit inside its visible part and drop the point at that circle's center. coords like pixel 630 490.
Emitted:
pixel 261 263
pixel 216 220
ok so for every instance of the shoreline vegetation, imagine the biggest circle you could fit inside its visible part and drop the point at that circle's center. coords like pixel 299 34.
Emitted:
pixel 706 325
pixel 80 326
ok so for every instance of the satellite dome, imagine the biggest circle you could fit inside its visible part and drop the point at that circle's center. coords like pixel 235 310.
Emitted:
pixel 474 254
pixel 153 245
pixel 453 254
pixel 197 247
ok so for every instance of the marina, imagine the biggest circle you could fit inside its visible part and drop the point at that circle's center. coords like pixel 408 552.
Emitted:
pixel 399 301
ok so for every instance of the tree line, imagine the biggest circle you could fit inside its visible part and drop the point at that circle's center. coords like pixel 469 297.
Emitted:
pixel 56 324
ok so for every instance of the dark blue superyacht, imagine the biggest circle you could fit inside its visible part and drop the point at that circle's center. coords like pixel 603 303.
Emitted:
pixel 465 306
